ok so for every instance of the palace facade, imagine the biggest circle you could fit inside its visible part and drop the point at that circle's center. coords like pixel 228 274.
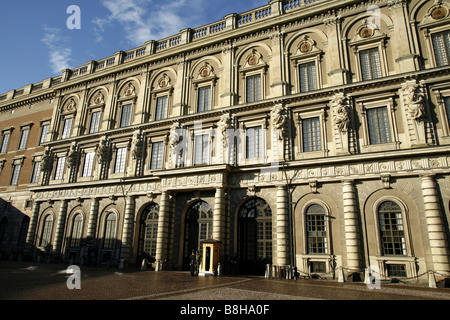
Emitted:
pixel 303 133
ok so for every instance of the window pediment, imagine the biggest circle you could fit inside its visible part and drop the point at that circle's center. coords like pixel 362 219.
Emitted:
pixel 254 61
pixel 367 33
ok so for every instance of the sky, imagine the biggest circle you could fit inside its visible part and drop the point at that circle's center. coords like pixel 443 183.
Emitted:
pixel 40 38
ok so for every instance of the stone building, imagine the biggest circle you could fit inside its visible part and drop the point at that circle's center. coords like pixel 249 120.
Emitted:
pixel 303 133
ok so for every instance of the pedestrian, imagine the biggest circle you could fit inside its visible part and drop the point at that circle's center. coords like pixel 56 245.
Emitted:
pixel 192 263
pixel 197 262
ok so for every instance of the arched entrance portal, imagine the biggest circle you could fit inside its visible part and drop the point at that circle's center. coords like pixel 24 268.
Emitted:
pixel 254 236
pixel 148 232
pixel 199 224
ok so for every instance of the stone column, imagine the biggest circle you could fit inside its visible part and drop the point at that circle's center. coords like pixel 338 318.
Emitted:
pixel 127 227
pixel 57 244
pixel 435 225
pixel 351 223
pixel 163 230
pixel 31 235
pixel 219 217
pixel 92 225
pixel 282 227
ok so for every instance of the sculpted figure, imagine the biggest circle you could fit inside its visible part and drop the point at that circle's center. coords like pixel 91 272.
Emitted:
pixel 102 150
pixel 279 120
pixel 342 115
pixel 414 101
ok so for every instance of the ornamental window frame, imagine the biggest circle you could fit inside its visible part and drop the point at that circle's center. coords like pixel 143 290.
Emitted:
pixel 323 258
pixel 376 102
pixel 191 152
pixel 113 168
pixel 164 89
pixel 433 24
pixel 152 141
pixel 384 261
pixel 16 168
pixel 43 133
pixel 206 78
pixel 248 123
pixel 97 106
pixel 7 132
pixel 442 94
pixel 68 112
pixel 254 65
pixel 305 113
pixel 307 53
pixel 369 37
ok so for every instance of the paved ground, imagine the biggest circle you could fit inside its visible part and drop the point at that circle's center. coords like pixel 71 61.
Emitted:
pixel 32 281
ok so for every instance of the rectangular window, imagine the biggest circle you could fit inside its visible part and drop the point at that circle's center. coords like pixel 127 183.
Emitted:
pixel 161 108
pixel 5 142
pixel 201 154
pixel 370 64
pixel 253 88
pixel 157 155
pixel 396 270
pixel 204 99
pixel 121 157
pixel 36 172
pixel 447 108
pixel 254 142
pixel 44 133
pixel 67 128
pixel 24 139
pixel 88 163
pixel 60 168
pixel 311 134
pixel 441 45
pixel 15 174
pixel 308 77
pixel 95 121
pixel 378 125
pixel 125 119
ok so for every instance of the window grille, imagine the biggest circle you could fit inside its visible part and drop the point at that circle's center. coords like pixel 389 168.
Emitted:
pixel 88 164
pixel 125 119
pixel 95 122
pixel 204 99
pixel 60 168
pixel 157 155
pixel 161 108
pixel 311 134
pixel 5 142
pixel 392 229
pixel 253 88
pixel 441 45
pixel 254 142
pixel 201 154
pixel 120 160
pixel 378 125
pixel 67 128
pixel 316 229
pixel 15 175
pixel 24 139
pixel 370 64
pixel 308 77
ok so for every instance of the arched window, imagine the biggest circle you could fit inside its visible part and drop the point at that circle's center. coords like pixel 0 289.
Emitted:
pixel 392 231
pixel 199 222
pixel 316 229
pixel 109 234
pixel 47 229
pixel 148 231
pixel 255 231
pixel 76 232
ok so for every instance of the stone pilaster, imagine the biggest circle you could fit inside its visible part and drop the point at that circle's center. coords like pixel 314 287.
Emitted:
pixel 57 244
pixel 128 227
pixel 435 225
pixel 351 225
pixel 163 230
pixel 282 227
pixel 32 229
